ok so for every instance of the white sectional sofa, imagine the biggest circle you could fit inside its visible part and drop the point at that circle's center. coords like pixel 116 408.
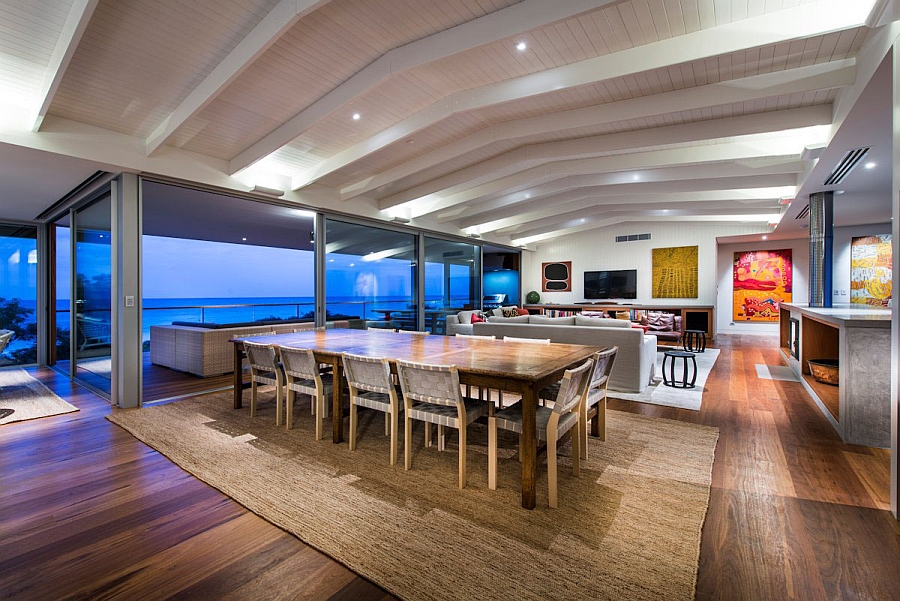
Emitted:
pixel 636 360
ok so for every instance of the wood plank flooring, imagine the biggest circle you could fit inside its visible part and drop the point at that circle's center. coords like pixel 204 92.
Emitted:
pixel 88 512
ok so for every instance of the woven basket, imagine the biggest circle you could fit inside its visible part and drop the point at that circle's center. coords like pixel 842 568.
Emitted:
pixel 825 370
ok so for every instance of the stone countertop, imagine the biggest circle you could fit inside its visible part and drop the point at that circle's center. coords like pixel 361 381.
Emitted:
pixel 845 314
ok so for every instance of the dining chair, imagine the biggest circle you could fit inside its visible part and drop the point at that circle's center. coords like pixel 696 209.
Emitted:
pixel 594 407
pixel 264 369
pixel 476 337
pixel 431 393
pixel 414 332
pixel 304 375
pixel 534 340
pixel 552 424
pixel 371 385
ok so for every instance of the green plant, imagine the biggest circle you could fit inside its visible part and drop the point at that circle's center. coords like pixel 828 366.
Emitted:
pixel 532 297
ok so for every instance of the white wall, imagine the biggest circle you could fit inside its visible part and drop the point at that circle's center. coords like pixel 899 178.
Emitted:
pixel 598 250
pixel 725 269
pixel 800 247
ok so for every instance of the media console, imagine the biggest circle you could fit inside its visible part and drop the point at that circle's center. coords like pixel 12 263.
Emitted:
pixel 695 317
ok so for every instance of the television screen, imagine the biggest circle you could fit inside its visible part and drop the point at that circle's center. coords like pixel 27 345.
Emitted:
pixel 610 284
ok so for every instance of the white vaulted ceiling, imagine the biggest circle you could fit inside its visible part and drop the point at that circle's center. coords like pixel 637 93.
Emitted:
pixel 615 110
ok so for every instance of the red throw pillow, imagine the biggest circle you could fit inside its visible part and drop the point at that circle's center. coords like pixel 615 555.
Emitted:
pixel 476 318
pixel 522 311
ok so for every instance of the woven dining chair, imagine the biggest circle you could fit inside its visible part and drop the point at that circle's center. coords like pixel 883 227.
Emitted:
pixel 594 407
pixel 431 393
pixel 371 385
pixel 552 424
pixel 264 369
pixel 304 375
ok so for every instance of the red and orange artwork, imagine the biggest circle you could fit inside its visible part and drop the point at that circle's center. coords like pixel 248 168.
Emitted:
pixel 763 280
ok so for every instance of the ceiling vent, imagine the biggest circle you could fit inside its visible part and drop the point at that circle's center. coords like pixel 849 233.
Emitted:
pixel 843 169
pixel 804 213
pixel 632 237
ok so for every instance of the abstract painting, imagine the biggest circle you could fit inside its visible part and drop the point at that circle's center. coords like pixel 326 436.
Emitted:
pixel 675 272
pixel 763 279
pixel 556 276
pixel 871 270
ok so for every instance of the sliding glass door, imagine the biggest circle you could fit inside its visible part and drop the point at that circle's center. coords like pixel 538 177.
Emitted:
pixel 92 341
pixel 18 294
pixel 452 280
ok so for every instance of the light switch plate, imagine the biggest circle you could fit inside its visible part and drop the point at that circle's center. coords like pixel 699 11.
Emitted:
pixel 129 301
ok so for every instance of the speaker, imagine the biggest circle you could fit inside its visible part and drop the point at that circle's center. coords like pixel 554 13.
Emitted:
pixel 556 276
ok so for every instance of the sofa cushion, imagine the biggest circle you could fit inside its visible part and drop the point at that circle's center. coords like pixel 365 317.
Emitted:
pixel 601 322
pixel 519 319
pixel 552 321
pixel 660 322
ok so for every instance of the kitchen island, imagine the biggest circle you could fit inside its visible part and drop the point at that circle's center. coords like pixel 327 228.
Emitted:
pixel 859 337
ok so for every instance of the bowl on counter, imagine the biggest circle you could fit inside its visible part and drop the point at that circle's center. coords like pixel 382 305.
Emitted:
pixel 825 370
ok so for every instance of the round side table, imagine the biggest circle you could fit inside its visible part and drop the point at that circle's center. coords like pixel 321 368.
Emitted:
pixel 694 341
pixel 687 370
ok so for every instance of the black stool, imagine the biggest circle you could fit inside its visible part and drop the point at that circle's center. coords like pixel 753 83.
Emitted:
pixel 685 371
pixel 694 341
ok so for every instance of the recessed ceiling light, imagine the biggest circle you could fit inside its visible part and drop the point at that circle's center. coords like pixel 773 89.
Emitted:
pixel 521 46
pixel 356 116
pixel 635 177
pixel 765 237
pixel 244 239
pixel 838 192
pixel 870 165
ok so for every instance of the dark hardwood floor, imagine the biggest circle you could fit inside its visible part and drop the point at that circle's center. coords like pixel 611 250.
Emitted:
pixel 88 512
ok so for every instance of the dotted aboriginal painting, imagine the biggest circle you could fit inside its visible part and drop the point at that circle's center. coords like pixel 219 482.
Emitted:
pixel 871 270
pixel 763 279
pixel 675 272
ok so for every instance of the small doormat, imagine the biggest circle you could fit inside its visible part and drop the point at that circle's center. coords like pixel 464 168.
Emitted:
pixel 776 372
pixel 22 398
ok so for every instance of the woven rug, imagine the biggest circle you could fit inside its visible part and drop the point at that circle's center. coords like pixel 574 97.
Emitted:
pixel 22 398
pixel 684 398
pixel 628 528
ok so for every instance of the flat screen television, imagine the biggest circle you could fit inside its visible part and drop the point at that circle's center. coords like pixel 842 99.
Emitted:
pixel 621 283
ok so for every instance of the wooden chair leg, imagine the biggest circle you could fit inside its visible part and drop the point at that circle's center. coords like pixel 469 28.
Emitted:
pixel 462 456
pixel 492 453
pixel 427 434
pixel 500 393
pixel 442 441
pixel 290 396
pixel 551 469
pixel 353 418
pixel 394 428
pixel 253 399
pixel 576 447
pixel 387 424
pixel 279 405
pixel 599 424
pixel 407 443
pixel 320 414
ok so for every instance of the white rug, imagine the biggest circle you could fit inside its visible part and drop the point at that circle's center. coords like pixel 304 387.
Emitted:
pixel 683 398
pixel 22 397
pixel 776 372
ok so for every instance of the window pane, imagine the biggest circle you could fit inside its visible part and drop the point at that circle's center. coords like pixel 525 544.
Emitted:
pixel 215 266
pixel 18 294
pixel 369 276
pixel 452 279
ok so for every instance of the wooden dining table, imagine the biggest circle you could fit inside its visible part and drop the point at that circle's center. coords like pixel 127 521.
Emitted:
pixel 518 367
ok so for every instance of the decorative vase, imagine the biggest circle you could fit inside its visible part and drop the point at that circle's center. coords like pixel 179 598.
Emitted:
pixel 532 297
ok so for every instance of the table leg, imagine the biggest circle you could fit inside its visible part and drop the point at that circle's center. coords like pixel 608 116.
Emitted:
pixel 528 446
pixel 337 411
pixel 238 376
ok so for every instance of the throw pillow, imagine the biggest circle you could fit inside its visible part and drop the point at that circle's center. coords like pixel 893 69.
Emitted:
pixel 465 316
pixel 476 318
pixel 523 311
pixel 661 322
pixel 511 312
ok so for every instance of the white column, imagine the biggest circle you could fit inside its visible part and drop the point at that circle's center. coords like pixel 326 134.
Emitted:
pixel 127 355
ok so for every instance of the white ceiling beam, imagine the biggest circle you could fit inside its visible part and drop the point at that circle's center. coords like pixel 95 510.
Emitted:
pixel 76 22
pixel 497 25
pixel 594 223
pixel 579 148
pixel 540 226
pixel 517 215
pixel 601 184
pixel 639 166
pixel 768 85
pixel 275 24
pixel 803 21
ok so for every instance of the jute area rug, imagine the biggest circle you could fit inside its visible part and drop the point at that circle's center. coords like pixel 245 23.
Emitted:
pixel 22 397
pixel 627 529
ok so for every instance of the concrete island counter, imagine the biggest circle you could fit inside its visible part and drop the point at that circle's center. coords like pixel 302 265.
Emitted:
pixel 859 338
